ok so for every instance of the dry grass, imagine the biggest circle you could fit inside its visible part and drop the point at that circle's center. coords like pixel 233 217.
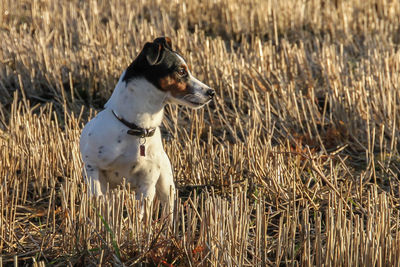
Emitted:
pixel 295 163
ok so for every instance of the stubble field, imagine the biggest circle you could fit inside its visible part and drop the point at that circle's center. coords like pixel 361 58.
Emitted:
pixel 296 162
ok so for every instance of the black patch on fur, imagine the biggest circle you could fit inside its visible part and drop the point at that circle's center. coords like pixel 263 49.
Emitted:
pixel 167 63
pixel 134 166
pixel 90 134
pixel 119 141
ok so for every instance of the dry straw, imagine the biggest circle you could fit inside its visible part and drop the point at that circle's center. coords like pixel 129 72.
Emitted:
pixel 295 163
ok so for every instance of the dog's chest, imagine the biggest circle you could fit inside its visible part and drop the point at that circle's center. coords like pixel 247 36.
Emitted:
pixel 131 159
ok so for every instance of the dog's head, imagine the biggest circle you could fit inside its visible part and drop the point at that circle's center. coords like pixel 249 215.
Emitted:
pixel 168 71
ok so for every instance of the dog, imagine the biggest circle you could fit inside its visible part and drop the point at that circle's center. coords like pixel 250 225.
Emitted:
pixel 124 139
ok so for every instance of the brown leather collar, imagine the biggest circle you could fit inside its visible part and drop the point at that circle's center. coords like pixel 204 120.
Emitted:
pixel 134 129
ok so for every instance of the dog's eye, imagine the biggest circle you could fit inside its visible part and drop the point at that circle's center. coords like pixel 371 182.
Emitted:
pixel 182 72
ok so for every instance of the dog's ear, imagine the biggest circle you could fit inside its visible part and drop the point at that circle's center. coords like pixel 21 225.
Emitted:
pixel 164 41
pixel 152 52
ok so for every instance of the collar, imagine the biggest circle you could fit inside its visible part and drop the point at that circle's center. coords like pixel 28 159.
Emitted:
pixel 134 129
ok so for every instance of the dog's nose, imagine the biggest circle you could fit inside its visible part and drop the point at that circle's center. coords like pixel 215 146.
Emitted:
pixel 210 93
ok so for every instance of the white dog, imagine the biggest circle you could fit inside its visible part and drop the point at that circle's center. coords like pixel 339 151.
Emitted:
pixel 124 140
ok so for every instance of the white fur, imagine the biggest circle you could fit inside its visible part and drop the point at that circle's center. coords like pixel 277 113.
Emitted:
pixel 110 154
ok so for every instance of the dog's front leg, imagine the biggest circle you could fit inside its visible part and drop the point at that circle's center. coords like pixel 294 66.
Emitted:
pixel 146 193
pixel 165 186
pixel 92 177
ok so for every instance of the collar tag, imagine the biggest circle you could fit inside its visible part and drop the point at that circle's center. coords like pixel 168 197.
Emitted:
pixel 142 150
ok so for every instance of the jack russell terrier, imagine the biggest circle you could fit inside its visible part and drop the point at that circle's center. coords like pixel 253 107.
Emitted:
pixel 124 140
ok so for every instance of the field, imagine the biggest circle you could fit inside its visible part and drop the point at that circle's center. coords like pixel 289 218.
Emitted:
pixel 295 163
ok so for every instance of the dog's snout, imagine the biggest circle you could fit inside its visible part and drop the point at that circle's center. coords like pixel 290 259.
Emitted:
pixel 210 93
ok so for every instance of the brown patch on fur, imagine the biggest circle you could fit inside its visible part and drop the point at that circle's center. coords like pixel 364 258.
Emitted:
pixel 172 84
